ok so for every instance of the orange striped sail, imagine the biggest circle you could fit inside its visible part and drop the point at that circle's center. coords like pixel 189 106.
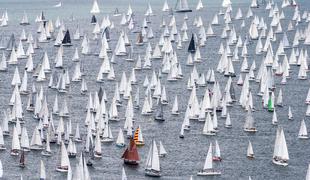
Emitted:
pixel 138 138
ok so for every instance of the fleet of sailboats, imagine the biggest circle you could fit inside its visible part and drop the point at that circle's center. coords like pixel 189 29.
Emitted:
pixel 146 66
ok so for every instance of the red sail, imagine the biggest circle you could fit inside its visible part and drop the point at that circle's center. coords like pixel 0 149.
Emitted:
pixel 131 155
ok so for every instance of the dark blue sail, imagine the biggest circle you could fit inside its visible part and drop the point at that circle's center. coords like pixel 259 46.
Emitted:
pixel 93 19
pixel 192 47
pixel 67 40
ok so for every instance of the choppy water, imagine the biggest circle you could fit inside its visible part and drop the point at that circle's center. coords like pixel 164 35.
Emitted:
pixel 185 156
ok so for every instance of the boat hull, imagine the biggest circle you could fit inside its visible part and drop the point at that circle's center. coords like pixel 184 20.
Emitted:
pixel 184 10
pixel 120 144
pixel 46 153
pixel 152 173
pixel 62 169
pixel 279 162
pixel 303 137
pixel 209 173
pixel 131 162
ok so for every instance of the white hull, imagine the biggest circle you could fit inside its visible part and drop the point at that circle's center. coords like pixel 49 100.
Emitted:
pixel 280 163
pixel 152 173
pixel 250 130
pixel 107 140
pixel 303 137
pixel 209 173
pixel 60 169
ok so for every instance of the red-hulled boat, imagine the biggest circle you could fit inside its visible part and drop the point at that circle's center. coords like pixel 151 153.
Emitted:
pixel 131 155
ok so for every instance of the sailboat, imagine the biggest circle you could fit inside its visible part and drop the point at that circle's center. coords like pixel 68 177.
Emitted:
pixel 97 149
pixel 95 8
pixel 199 5
pixel 217 153
pixel 280 153
pixel 182 131
pixel 66 40
pixel 116 12
pixel 47 151
pixel 15 143
pixel 22 160
pixel 192 46
pixel 165 6
pixel 131 155
pixel 250 152
pixel 120 142
pixel 58 5
pixel 138 137
pixel 254 4
pixel 159 114
pixel 36 142
pixel 124 176
pixel 175 107
pixel 182 6
pixel 93 20
pixel 152 167
pixel 303 134
pixel 64 159
pixel 162 150
pixel 72 149
pixel 208 169
pixel 270 102
pixel 42 171
pixel 249 125
pixel 107 134
pixel 139 39
pixel 24 20
pixel 290 114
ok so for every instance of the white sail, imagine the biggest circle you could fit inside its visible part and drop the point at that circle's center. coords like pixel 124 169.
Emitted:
pixel 58 5
pixel 124 176
pixel 226 3
pixel 250 152
pixel 162 150
pixel 217 152
pixel 95 8
pixel 208 163
pixel 64 161
pixel 303 130
pixel 15 140
pixel 165 6
pixel 42 171
pixel 120 138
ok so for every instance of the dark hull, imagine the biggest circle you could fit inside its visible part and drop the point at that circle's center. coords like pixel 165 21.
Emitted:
pixel 131 162
pixel 185 10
